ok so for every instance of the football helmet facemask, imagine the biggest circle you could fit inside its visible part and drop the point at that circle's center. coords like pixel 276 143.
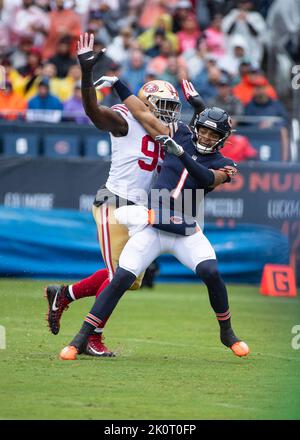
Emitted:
pixel 162 99
pixel 219 122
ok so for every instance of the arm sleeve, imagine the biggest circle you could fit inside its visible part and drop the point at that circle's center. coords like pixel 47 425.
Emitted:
pixel 203 175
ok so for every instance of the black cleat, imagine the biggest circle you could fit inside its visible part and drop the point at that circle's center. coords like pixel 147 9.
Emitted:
pixel 57 303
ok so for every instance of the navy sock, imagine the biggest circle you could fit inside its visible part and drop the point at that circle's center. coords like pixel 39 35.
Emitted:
pixel 104 306
pixel 209 273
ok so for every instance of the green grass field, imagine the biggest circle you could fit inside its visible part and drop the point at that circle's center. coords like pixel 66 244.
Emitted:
pixel 170 363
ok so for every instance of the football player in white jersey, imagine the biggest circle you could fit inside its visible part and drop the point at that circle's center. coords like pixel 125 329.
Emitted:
pixel 136 159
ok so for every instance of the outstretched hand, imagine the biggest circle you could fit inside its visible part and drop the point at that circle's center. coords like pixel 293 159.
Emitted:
pixel 169 145
pixel 192 96
pixel 85 51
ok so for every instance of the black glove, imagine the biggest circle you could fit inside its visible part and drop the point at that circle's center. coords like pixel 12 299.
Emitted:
pixel 87 58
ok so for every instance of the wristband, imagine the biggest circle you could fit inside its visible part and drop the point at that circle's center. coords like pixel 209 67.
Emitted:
pixel 123 91
pixel 87 79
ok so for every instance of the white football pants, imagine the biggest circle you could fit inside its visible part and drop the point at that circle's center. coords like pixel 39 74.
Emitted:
pixel 146 245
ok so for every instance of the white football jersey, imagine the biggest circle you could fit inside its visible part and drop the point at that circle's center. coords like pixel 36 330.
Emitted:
pixel 135 162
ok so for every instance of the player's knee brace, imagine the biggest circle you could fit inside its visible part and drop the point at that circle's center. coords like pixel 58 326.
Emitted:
pixel 208 271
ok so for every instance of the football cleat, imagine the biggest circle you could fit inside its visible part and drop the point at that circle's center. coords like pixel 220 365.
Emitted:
pixel 57 303
pixel 96 346
pixel 240 348
pixel 229 339
pixel 69 353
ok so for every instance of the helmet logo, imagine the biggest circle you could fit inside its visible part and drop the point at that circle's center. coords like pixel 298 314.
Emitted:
pixel 171 89
pixel 211 124
pixel 151 88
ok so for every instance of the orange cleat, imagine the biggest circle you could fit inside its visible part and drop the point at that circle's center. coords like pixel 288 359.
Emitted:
pixel 68 353
pixel 240 348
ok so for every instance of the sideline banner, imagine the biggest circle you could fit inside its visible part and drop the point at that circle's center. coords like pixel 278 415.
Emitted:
pixel 262 193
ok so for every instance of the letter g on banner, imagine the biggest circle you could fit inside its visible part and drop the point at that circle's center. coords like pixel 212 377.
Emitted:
pixel 2 338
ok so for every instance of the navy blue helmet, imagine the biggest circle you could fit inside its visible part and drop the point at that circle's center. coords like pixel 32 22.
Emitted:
pixel 217 120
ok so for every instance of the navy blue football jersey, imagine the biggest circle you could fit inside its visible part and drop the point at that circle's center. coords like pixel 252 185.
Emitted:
pixel 179 193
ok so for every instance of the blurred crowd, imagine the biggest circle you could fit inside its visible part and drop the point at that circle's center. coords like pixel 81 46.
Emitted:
pixel 219 45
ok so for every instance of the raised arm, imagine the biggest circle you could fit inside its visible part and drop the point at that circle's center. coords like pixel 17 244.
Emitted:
pixel 103 117
pixel 152 125
pixel 193 98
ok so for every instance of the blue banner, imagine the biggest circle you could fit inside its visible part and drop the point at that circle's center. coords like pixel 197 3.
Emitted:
pixel 63 244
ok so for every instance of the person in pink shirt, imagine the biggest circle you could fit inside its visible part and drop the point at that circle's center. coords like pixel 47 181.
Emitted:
pixel 215 37
pixel 189 34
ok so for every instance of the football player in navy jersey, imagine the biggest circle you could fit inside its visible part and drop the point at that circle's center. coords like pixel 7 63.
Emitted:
pixel 193 162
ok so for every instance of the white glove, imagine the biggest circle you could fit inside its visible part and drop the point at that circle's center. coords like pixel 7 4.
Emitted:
pixel 169 145
pixel 105 81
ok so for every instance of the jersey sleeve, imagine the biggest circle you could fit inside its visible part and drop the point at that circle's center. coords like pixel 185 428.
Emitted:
pixel 122 109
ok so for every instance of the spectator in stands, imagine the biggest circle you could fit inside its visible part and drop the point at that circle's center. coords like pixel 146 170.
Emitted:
pixel 20 54
pixel 112 12
pixel 152 10
pixel 250 24
pixel 195 58
pixel 189 33
pixel 120 47
pixel 63 58
pixel 63 88
pixel 159 38
pixel 73 109
pixel 237 51
pixel 239 149
pixel 244 91
pixel 44 100
pixel 147 38
pixel 207 9
pixel 33 65
pixel 135 70
pixel 262 105
pixel 4 29
pixel 64 21
pixel 215 37
pixel 96 25
pixel 12 104
pixel 206 82
pixel 13 76
pixel 224 98
pixel 174 72
pixel 159 63
pixel 182 9
pixel 31 21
